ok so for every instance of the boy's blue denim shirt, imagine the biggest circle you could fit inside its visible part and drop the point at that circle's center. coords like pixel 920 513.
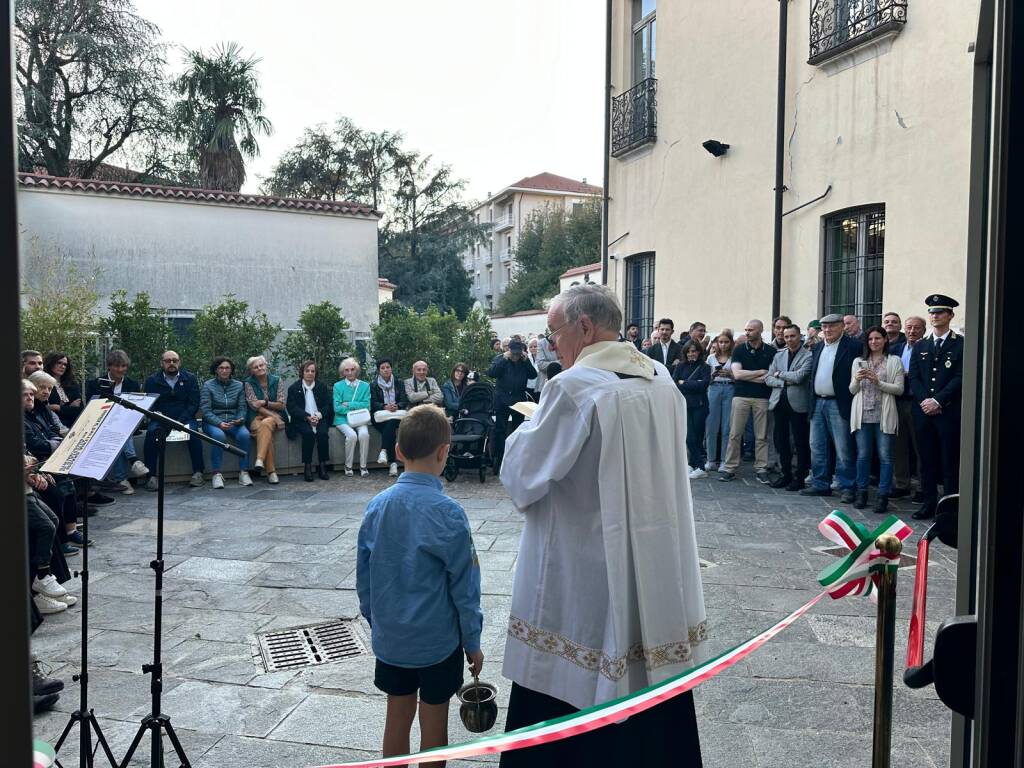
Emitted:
pixel 417 574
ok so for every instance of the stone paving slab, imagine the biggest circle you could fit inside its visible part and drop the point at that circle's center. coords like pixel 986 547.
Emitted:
pixel 247 560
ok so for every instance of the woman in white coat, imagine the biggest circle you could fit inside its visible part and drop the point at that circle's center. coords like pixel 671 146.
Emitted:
pixel 876 381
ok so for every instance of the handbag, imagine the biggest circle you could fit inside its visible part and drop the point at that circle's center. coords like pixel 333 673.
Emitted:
pixel 379 416
pixel 358 418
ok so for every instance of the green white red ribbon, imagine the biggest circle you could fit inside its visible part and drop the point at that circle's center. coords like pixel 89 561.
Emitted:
pixel 858 573
pixel 861 565
pixel 42 754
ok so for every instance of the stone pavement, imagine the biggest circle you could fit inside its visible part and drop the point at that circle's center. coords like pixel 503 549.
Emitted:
pixel 245 560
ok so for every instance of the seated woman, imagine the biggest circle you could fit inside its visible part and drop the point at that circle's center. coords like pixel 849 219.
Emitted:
pixel 222 402
pixel 351 394
pixel 66 395
pixel 387 394
pixel 453 389
pixel 311 413
pixel 41 438
pixel 265 395
pixel 127 464
pixel 46 561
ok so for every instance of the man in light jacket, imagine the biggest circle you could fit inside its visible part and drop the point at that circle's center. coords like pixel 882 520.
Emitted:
pixel 421 388
pixel 542 360
pixel 789 377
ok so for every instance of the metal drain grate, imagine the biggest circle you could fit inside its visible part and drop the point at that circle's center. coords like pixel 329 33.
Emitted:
pixel 905 559
pixel 311 645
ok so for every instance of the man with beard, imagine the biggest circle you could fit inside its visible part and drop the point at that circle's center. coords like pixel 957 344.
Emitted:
pixel 177 393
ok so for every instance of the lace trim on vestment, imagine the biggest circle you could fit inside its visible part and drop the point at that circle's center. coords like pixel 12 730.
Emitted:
pixel 596 660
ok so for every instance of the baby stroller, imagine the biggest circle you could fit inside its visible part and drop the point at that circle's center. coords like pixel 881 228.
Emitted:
pixel 471 432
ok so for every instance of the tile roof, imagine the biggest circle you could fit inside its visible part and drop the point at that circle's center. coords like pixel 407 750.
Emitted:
pixel 581 270
pixel 383 282
pixel 123 189
pixel 555 183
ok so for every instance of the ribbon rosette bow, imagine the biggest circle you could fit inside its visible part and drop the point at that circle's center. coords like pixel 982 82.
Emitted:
pixel 858 573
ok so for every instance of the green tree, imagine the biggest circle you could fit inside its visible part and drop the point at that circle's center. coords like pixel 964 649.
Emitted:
pixel 229 329
pixel 90 76
pixel 473 343
pixel 403 337
pixel 551 242
pixel 137 328
pixel 58 308
pixel 220 102
pixel 322 336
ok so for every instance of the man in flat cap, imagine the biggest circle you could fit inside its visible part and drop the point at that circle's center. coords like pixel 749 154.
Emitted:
pixel 510 371
pixel 936 378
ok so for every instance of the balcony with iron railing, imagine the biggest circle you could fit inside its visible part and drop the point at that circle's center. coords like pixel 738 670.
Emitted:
pixel 635 117
pixel 504 221
pixel 506 255
pixel 839 26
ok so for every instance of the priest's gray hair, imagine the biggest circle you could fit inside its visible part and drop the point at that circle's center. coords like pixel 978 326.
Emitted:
pixel 597 302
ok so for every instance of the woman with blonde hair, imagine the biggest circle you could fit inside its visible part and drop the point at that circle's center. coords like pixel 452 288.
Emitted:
pixel 352 413
pixel 266 397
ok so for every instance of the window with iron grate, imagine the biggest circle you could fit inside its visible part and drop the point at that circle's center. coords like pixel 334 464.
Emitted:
pixel 854 262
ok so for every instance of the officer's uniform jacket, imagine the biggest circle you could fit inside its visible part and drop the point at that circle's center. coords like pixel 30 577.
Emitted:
pixel 938 375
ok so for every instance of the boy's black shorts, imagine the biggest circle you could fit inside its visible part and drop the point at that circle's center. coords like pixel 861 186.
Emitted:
pixel 436 683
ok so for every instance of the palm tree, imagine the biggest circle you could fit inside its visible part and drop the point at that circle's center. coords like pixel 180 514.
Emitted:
pixel 220 101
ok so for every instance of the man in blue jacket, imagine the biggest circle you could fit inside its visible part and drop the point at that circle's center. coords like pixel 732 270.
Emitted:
pixel 178 399
pixel 830 419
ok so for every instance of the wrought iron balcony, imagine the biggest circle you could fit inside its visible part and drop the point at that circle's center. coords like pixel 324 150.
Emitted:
pixel 635 117
pixel 504 221
pixel 840 25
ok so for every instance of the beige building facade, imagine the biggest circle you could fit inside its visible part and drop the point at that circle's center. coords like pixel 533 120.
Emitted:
pixel 491 264
pixel 877 144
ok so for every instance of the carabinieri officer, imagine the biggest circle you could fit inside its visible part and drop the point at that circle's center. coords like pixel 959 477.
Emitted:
pixel 936 378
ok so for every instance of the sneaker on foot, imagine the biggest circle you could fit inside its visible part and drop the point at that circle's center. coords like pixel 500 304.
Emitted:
pixel 696 473
pixel 726 476
pixel 197 480
pixel 763 477
pixel 68 550
pixel 42 685
pixel 258 464
pixel 382 457
pixel 393 469
pixel 711 466
pixel 138 469
pixel 244 479
pixel 126 488
pixel 152 484
pixel 48 605
pixel 68 599
pixel 364 472
pixel 76 539
pixel 272 478
pixel 45 702
pixel 48 586
pixel 348 471
pixel 218 480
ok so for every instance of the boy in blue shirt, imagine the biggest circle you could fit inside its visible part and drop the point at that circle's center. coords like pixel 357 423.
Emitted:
pixel 418 581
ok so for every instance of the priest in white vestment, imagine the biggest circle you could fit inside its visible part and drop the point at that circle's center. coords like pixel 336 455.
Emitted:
pixel 607 597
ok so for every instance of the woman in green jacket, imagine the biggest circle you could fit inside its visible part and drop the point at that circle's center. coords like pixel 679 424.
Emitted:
pixel 352 394
pixel 222 402
pixel 265 395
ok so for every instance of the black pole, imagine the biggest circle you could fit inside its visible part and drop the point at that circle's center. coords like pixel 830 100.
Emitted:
pixel 83 716
pixel 780 146
pixel 15 607
pixel 607 137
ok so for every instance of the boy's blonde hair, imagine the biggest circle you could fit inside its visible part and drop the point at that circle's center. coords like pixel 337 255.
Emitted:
pixel 422 431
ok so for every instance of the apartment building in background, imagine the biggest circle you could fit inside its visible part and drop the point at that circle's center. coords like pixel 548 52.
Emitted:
pixel 491 265
pixel 877 117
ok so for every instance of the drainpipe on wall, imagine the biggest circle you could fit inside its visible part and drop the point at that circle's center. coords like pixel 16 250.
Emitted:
pixel 780 143
pixel 607 137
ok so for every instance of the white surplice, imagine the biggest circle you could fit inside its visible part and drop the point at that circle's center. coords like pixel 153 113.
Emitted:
pixel 607 596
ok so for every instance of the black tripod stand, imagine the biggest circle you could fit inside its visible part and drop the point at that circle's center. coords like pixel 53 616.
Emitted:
pixel 156 722
pixel 84 716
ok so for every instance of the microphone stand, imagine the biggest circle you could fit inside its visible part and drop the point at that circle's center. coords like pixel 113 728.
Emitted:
pixel 156 722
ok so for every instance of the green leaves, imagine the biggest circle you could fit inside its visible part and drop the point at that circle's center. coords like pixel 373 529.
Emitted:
pixel 136 327
pixel 229 329
pixel 323 337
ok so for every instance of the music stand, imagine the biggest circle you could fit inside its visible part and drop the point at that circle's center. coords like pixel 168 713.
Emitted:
pixel 156 721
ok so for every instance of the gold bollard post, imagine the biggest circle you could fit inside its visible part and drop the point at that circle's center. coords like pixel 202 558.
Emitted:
pixel 885 631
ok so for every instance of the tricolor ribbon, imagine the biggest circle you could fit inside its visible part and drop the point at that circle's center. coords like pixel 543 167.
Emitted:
pixel 42 754
pixel 858 573
pixel 861 565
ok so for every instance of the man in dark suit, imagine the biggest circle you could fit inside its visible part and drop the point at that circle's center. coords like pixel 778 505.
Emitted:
pixel 666 351
pixel 510 372
pixel 891 325
pixel 905 444
pixel 177 393
pixel 936 379
pixel 830 418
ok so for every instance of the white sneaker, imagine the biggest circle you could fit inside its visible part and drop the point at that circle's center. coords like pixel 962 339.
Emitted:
pixel 711 467
pixel 348 471
pixel 68 599
pixel 244 479
pixel 49 586
pixel 218 480
pixel 153 484
pixel 126 488
pixel 258 464
pixel 364 472
pixel 48 605
pixel 393 470
pixel 272 478
pixel 138 469
pixel 697 473
pixel 382 457
pixel 197 480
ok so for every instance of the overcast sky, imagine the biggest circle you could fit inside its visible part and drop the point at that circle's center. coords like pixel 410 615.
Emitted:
pixel 499 90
